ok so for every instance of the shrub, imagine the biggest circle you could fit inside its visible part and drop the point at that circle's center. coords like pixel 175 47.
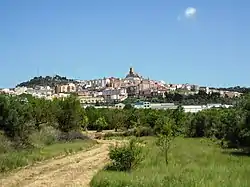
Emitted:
pixel 73 135
pixel 112 134
pixel 46 136
pixel 130 132
pixel 144 131
pixel 126 157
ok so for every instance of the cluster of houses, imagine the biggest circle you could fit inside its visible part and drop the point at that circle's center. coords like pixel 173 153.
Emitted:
pixel 114 90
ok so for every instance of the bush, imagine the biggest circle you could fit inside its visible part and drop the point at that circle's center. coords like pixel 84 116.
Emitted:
pixel 112 134
pixel 130 132
pixel 144 131
pixel 126 157
pixel 139 131
pixel 73 135
pixel 46 136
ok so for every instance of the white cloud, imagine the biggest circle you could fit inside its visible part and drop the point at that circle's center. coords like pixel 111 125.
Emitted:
pixel 190 12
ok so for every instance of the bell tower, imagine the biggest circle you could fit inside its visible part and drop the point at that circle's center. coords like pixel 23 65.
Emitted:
pixel 131 71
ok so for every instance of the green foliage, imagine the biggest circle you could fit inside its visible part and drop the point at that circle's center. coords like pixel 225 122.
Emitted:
pixel 180 97
pixel 126 157
pixel 68 114
pixel 15 120
pixel 100 124
pixel 166 133
pixel 46 81
pixel 194 162
pixel 93 114
pixel 128 106
pixel 15 159
pixel 71 136
pixel 5 144
pixel 42 111
pixel 85 122
pixel 115 118
pixel 47 135
pixel 144 131
pixel 23 120
pixel 164 142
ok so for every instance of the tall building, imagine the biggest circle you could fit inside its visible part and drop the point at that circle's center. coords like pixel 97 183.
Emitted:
pixel 132 76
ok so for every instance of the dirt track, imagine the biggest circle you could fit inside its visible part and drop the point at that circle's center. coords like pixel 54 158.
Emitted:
pixel 73 170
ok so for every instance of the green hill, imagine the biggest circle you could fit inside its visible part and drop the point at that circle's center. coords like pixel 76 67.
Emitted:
pixel 46 81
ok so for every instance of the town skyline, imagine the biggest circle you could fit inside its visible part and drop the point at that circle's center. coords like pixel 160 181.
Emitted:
pixel 123 76
pixel 113 89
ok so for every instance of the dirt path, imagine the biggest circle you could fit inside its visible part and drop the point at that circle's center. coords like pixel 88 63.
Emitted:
pixel 73 170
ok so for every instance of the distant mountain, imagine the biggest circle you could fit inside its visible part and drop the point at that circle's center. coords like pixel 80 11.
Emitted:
pixel 46 81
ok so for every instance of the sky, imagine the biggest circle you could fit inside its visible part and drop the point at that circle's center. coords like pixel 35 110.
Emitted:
pixel 193 41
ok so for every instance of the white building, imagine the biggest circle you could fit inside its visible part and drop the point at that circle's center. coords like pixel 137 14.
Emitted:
pixel 193 108
pixel 119 94
pixel 20 90
pixel 205 89
pixel 163 106
pixel 98 83
pixel 119 106
pixel 142 105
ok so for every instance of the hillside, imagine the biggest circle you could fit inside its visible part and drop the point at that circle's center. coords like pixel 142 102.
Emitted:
pixel 46 81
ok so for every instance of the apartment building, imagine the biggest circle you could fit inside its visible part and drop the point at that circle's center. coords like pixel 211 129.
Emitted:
pixel 114 94
pixel 66 88
pixel 98 83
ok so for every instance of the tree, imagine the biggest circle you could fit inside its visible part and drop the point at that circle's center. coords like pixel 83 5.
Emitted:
pixel 131 119
pixel 92 114
pixel 41 111
pixel 116 119
pixel 16 120
pixel 69 114
pixel 85 122
pixel 100 124
pixel 165 135
pixel 180 119
pixel 128 106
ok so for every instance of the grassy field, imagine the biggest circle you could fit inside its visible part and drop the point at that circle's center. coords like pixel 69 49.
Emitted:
pixel 15 159
pixel 192 162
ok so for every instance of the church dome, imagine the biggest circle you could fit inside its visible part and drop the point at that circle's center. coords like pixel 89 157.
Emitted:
pixel 132 74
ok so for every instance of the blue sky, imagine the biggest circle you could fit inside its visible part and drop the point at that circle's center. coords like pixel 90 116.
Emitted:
pixel 92 39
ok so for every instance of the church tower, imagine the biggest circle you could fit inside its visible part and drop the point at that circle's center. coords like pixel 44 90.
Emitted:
pixel 131 71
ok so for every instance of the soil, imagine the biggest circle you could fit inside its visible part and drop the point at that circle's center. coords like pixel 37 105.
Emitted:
pixel 73 170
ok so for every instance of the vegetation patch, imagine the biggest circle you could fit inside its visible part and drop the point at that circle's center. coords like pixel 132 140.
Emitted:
pixel 125 157
pixel 192 162
pixel 15 159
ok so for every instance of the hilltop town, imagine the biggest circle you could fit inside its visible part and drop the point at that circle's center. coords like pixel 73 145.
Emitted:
pixel 114 91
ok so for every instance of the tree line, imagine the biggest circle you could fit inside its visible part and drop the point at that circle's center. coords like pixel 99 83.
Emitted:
pixel 21 116
pixel 200 98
